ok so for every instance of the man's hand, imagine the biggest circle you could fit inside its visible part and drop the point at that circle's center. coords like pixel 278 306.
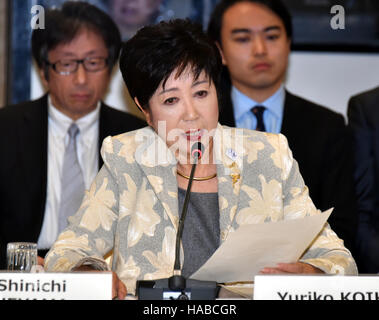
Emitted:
pixel 294 268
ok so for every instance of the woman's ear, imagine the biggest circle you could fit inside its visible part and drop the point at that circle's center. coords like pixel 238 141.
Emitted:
pixel 146 113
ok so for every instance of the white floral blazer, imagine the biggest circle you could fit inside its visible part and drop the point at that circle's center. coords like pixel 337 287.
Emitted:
pixel 132 205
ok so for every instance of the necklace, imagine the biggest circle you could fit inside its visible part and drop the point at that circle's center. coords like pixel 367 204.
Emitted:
pixel 195 178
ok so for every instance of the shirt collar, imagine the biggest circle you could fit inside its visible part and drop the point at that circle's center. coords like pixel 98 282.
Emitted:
pixel 243 103
pixel 63 122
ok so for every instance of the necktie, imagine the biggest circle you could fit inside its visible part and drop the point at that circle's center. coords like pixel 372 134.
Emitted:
pixel 258 112
pixel 72 181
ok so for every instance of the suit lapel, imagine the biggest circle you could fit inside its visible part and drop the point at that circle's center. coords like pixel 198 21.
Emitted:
pixel 33 144
pixel 159 165
pixel 296 128
pixel 103 125
pixel 289 116
pixel 228 148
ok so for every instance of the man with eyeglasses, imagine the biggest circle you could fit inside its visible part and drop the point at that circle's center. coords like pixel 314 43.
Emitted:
pixel 50 147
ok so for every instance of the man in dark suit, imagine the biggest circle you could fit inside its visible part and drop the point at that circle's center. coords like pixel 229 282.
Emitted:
pixel 363 114
pixel 75 53
pixel 254 38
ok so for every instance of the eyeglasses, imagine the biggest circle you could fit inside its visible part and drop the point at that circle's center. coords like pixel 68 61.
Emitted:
pixel 68 66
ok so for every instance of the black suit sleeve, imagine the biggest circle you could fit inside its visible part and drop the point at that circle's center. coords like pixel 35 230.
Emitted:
pixel 365 139
pixel 338 185
pixel 364 169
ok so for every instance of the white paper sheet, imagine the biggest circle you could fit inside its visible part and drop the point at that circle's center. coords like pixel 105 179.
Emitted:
pixel 252 247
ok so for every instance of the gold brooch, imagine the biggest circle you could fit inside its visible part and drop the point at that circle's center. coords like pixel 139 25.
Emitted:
pixel 235 175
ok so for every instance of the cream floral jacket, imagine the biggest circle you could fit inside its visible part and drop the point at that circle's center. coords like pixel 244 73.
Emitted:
pixel 132 205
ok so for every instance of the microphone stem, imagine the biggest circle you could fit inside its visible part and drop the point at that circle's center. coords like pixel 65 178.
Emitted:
pixel 183 216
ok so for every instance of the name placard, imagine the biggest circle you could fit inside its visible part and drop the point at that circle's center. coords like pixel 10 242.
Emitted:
pixel 316 287
pixel 56 286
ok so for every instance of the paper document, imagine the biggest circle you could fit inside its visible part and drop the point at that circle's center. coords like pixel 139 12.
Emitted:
pixel 252 247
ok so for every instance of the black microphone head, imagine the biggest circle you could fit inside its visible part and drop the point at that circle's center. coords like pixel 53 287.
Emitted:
pixel 197 150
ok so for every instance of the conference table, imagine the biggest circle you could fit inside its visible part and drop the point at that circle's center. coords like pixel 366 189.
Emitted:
pixel 42 285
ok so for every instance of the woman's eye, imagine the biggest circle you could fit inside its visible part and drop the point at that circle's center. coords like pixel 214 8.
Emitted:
pixel 170 101
pixel 202 93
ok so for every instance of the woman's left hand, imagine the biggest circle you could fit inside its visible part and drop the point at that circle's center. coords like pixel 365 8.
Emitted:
pixel 119 290
pixel 40 261
pixel 295 268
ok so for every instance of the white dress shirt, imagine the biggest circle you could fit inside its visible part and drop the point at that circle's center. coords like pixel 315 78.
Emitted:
pixel 87 148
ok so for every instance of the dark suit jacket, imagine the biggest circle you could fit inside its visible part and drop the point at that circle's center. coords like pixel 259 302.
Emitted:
pixel 23 165
pixel 363 114
pixel 322 145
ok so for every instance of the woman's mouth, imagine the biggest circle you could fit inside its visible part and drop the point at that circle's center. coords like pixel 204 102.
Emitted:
pixel 194 135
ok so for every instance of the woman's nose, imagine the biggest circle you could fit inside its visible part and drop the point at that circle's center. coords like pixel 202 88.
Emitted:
pixel 190 111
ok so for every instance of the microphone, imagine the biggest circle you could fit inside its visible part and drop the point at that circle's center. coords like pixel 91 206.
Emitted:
pixel 177 286
pixel 196 152
pixel 177 281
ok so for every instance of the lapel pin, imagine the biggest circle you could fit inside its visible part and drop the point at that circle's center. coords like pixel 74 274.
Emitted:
pixel 232 155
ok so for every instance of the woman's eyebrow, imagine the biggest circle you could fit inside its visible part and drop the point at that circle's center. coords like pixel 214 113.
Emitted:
pixel 167 90
pixel 196 83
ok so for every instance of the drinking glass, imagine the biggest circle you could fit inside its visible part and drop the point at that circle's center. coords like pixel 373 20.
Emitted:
pixel 21 256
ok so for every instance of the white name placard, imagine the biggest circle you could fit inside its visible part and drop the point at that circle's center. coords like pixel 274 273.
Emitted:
pixel 316 287
pixel 56 286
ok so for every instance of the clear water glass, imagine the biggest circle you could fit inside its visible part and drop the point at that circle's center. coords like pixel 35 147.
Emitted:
pixel 21 256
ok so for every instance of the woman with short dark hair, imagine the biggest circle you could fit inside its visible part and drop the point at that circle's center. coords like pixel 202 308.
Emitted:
pixel 242 177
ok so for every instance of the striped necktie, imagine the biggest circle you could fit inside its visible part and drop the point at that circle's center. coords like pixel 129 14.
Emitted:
pixel 258 112
pixel 72 182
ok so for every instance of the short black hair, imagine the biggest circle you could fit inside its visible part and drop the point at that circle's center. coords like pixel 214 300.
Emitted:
pixel 62 26
pixel 276 6
pixel 155 51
